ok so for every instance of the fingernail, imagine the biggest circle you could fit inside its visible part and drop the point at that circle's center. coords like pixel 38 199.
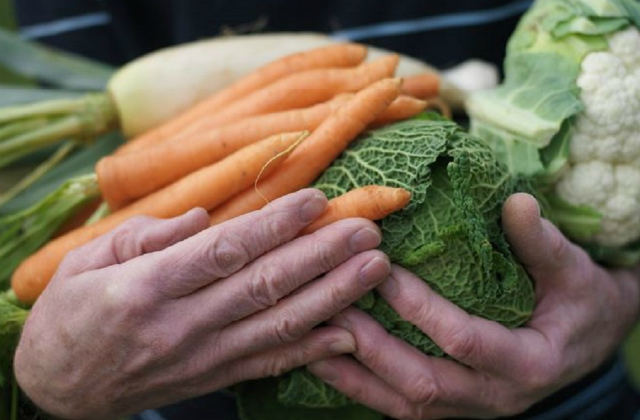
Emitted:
pixel 374 272
pixel 343 345
pixel 324 370
pixel 365 238
pixel 312 208
pixel 388 288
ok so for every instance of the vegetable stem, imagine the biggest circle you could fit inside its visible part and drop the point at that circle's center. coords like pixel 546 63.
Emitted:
pixel 39 109
pixel 25 143
pixel 92 115
pixel 22 233
pixel 37 173
pixel 9 130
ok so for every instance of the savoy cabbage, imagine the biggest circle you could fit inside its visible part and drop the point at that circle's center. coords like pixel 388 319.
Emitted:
pixel 449 235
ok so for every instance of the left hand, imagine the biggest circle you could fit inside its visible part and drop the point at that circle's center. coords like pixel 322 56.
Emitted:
pixel 583 312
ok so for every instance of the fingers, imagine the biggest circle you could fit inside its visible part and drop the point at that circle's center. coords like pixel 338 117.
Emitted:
pixel 224 249
pixel 318 344
pixel 537 244
pixel 281 271
pixel 476 342
pixel 299 312
pixel 135 237
pixel 361 385
pixel 421 379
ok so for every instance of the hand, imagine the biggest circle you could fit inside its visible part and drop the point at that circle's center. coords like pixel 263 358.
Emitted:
pixel 582 314
pixel 162 310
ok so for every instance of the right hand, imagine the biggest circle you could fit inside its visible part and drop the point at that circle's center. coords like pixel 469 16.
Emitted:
pixel 163 310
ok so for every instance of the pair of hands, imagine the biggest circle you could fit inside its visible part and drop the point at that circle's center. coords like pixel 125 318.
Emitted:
pixel 159 311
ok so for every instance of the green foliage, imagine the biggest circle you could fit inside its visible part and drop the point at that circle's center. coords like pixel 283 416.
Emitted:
pixel 53 67
pixel 449 234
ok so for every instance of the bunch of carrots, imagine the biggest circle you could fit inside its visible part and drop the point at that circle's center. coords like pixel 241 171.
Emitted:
pixel 271 133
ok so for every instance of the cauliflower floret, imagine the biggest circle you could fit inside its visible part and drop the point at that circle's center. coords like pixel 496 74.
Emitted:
pixel 613 191
pixel 604 154
pixel 609 85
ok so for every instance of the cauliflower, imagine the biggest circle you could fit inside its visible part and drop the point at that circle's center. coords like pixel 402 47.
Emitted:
pixel 604 152
pixel 568 114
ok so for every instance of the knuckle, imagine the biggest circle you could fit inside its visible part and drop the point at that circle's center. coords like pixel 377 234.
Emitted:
pixel 368 351
pixel 279 227
pixel 425 392
pixel 125 300
pixel 277 366
pixel 287 328
pixel 226 256
pixel 358 392
pixel 263 286
pixel 128 239
pixel 463 343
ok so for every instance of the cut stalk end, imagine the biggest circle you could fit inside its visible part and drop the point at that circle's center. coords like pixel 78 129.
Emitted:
pixel 28 128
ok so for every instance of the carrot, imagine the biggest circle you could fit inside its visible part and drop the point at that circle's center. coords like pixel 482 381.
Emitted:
pixel 299 90
pixel 402 108
pixel 126 177
pixel 206 188
pixel 309 160
pixel 338 55
pixel 422 86
pixel 373 202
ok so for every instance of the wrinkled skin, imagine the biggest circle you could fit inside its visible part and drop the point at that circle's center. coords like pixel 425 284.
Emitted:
pixel 583 312
pixel 163 310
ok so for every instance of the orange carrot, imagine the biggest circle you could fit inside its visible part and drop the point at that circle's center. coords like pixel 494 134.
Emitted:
pixel 402 108
pixel 309 160
pixel 206 188
pixel 299 90
pixel 422 86
pixel 126 177
pixel 373 202
pixel 337 55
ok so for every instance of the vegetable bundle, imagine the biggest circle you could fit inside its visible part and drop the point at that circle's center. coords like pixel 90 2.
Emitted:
pixel 237 162
pixel 321 98
pixel 266 136
pixel 567 114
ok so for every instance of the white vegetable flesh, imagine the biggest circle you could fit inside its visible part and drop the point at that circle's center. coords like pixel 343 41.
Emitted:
pixel 604 171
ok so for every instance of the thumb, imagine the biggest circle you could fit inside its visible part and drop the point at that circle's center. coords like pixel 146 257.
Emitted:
pixel 537 243
pixel 136 236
